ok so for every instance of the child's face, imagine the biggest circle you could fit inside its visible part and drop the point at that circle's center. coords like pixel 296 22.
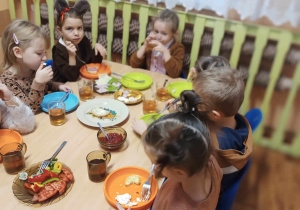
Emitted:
pixel 34 54
pixel 163 32
pixel 72 30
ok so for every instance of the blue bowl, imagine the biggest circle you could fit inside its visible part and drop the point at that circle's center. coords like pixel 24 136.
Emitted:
pixel 71 100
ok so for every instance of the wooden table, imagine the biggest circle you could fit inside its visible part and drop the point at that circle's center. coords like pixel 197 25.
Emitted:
pixel 44 141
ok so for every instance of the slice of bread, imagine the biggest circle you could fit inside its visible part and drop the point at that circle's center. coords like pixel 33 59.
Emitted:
pixel 134 179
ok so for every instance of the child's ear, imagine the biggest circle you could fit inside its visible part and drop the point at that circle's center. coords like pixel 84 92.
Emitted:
pixel 59 29
pixel 216 115
pixel 18 52
pixel 180 172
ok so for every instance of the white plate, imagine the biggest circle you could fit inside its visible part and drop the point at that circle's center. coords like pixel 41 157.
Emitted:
pixel 108 103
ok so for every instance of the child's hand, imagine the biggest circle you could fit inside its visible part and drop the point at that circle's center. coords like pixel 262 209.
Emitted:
pixel 100 49
pixel 119 207
pixel 172 106
pixel 139 126
pixel 71 48
pixel 192 75
pixel 43 75
pixel 5 93
pixel 149 38
pixel 64 88
pixel 159 47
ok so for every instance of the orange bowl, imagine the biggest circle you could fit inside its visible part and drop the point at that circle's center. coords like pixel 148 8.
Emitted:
pixel 115 185
pixel 102 69
pixel 8 136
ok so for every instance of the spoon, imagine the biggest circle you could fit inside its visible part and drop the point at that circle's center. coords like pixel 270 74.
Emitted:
pixel 67 93
pixel 103 130
pixel 165 83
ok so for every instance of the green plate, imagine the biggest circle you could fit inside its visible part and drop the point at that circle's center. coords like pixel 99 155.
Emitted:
pixel 135 85
pixel 147 116
pixel 175 88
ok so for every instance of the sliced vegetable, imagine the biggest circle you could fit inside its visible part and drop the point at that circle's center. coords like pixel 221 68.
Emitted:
pixel 56 171
pixel 35 188
pixel 50 180
pixel 53 175
pixel 39 178
pixel 57 166
pixel 38 184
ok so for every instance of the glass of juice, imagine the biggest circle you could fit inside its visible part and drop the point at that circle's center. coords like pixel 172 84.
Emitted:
pixel 162 93
pixel 149 103
pixel 85 89
pixel 57 112
pixel 97 165
pixel 13 157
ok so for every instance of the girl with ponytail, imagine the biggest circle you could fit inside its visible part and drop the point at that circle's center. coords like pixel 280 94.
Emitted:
pixel 73 49
pixel 179 145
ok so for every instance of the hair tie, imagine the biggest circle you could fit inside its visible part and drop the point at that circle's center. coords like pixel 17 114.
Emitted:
pixel 63 12
pixel 15 38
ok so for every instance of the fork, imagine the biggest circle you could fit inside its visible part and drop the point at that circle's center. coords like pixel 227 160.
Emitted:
pixel 152 118
pixel 147 186
pixel 66 94
pixel 45 163
pixel 138 81
pixel 84 63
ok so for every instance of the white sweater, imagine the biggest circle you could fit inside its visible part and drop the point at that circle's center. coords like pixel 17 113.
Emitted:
pixel 15 115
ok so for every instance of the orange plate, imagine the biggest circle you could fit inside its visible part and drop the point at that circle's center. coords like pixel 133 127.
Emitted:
pixel 8 136
pixel 102 69
pixel 115 183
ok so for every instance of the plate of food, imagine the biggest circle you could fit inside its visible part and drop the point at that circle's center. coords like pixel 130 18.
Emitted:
pixel 129 83
pixel 71 100
pixel 128 96
pixel 93 69
pixel 175 88
pixel 124 185
pixel 106 111
pixel 46 188
pixel 106 84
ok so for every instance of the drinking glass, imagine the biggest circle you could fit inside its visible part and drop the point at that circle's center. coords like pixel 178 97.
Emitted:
pixel 85 88
pixel 97 165
pixel 149 103
pixel 13 157
pixel 57 112
pixel 162 93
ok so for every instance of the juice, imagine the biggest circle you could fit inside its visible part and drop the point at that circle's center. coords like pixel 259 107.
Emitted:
pixel 13 162
pixel 162 94
pixel 57 116
pixel 149 106
pixel 97 170
pixel 86 93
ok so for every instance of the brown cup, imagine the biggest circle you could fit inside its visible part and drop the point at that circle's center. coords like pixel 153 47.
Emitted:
pixel 13 157
pixel 149 103
pixel 97 165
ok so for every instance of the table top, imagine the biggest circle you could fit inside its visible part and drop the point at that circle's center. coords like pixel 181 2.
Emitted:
pixel 44 141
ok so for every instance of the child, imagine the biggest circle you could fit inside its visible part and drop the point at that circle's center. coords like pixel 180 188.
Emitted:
pixel 24 46
pixel 222 89
pixel 73 49
pixel 205 63
pixel 160 51
pixel 13 113
pixel 179 145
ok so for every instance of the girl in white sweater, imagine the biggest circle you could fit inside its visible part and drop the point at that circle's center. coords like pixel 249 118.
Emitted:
pixel 14 114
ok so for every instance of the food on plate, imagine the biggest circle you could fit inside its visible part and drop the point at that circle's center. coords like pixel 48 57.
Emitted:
pixel 114 138
pixel 99 112
pixel 134 179
pixel 126 96
pixel 52 181
pixel 103 113
pixel 125 200
pixel 106 84
pixel 92 70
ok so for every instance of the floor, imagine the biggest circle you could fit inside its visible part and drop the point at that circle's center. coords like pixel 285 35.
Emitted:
pixel 272 182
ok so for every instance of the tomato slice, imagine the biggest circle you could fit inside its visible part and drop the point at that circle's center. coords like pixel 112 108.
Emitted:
pixel 35 198
pixel 64 177
pixel 60 186
pixel 53 175
pixel 27 185
pixel 68 173
pixel 47 192
pixel 35 188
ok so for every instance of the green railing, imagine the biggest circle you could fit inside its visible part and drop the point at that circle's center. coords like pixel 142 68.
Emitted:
pixel 240 30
